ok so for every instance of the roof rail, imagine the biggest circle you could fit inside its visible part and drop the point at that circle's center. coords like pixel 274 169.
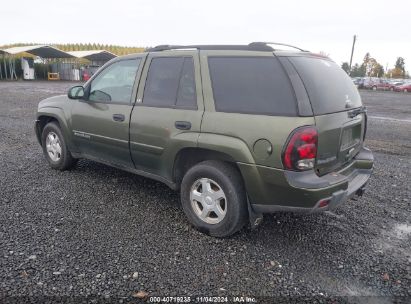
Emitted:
pixel 276 43
pixel 250 47
pixel 163 47
pixel 253 46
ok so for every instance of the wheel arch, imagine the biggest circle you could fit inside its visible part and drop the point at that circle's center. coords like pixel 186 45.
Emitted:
pixel 188 157
pixel 47 115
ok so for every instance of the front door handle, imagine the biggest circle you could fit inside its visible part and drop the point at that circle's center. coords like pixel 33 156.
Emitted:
pixel 183 125
pixel 118 117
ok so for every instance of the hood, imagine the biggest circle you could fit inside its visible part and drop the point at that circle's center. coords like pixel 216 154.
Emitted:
pixel 54 102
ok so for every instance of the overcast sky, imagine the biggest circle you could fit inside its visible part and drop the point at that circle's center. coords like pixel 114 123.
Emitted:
pixel 383 27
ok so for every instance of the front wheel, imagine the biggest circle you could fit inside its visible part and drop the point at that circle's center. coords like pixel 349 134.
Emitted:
pixel 55 149
pixel 214 199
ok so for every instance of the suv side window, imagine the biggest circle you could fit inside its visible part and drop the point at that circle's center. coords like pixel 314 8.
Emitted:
pixel 115 83
pixel 171 83
pixel 252 85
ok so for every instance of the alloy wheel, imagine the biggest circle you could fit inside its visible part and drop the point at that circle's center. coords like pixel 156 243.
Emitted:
pixel 53 147
pixel 208 201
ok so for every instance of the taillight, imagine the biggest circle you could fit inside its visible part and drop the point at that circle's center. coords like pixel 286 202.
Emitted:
pixel 301 150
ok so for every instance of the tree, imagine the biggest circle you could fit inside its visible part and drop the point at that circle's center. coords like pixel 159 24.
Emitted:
pixel 400 63
pixel 346 67
pixel 399 69
pixel 379 70
pixel 358 70
pixel 371 66
pixel 395 73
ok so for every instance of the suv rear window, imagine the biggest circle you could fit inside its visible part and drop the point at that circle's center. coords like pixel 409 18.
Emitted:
pixel 254 85
pixel 328 86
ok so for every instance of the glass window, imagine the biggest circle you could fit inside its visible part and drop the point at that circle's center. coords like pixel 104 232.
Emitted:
pixel 115 83
pixel 187 89
pixel 170 83
pixel 329 88
pixel 254 85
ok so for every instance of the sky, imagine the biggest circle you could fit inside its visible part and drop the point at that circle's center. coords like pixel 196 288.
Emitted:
pixel 382 27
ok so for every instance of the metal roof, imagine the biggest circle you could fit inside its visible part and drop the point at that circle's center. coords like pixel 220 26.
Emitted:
pixel 94 55
pixel 44 51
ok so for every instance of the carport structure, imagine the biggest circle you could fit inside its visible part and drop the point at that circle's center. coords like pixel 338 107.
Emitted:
pixel 44 51
pixel 96 57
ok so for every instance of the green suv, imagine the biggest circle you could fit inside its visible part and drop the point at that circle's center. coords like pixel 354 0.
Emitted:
pixel 239 130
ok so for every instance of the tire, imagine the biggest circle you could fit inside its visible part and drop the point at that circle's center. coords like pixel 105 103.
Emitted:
pixel 232 205
pixel 55 148
pixel 392 89
pixel 405 90
pixel 374 88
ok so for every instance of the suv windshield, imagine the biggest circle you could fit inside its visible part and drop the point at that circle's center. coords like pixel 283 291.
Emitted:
pixel 329 88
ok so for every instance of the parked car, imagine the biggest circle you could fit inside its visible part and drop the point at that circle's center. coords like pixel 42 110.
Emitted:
pixel 378 84
pixel 395 83
pixel 369 82
pixel 357 81
pixel 360 82
pixel 405 87
pixel 239 130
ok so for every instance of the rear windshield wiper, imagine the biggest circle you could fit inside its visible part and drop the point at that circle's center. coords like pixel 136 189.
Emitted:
pixel 355 112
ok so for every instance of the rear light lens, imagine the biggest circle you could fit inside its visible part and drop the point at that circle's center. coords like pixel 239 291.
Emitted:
pixel 301 150
pixel 324 203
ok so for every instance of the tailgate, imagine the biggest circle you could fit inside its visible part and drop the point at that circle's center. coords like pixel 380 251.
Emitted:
pixel 339 115
pixel 340 138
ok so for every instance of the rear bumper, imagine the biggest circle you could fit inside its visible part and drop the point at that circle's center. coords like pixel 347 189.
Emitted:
pixel 280 190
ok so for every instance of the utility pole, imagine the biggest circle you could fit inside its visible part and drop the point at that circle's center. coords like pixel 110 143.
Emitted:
pixel 352 50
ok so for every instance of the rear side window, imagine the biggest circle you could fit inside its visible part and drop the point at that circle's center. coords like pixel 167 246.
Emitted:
pixel 171 83
pixel 329 88
pixel 254 85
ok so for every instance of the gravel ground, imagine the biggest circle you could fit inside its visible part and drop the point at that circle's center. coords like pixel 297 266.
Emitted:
pixel 106 233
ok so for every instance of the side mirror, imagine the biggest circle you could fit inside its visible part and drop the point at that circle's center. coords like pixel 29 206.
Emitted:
pixel 76 92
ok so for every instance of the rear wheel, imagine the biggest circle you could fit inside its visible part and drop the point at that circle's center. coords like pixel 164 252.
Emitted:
pixel 55 149
pixel 214 199
pixel 405 90
pixel 374 88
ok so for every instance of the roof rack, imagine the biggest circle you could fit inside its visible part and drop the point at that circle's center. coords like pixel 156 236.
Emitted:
pixel 260 47
pixel 277 43
pixel 253 46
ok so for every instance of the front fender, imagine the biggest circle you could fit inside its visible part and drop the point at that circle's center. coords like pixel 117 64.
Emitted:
pixel 59 115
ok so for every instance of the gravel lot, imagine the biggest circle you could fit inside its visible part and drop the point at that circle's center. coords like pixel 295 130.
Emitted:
pixel 102 232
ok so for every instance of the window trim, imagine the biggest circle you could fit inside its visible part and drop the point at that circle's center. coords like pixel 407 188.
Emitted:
pixel 192 108
pixel 103 68
pixel 296 114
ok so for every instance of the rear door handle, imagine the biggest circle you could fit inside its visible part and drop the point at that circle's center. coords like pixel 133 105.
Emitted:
pixel 183 125
pixel 118 117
